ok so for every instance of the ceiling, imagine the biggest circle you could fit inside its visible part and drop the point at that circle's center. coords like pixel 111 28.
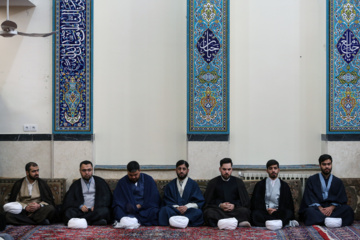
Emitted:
pixel 18 3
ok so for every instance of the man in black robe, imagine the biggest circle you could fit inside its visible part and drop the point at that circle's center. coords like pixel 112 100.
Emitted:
pixel 226 197
pixel 35 197
pixel 325 196
pixel 272 199
pixel 89 197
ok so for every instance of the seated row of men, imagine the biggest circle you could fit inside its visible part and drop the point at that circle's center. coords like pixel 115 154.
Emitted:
pixel 225 203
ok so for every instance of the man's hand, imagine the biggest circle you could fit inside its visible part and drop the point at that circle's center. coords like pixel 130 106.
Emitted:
pixel 138 206
pixel 227 207
pixel 327 211
pixel 32 207
pixel 84 208
pixel 182 209
pixel 271 210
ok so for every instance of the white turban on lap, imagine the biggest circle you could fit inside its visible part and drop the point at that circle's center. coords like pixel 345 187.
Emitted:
pixel 77 223
pixel 13 207
pixel 179 221
pixel 227 223
pixel 333 222
pixel 127 223
pixel 273 224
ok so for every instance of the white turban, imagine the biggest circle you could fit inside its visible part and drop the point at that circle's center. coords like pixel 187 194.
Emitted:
pixel 273 224
pixel 179 221
pixel 13 207
pixel 77 223
pixel 227 223
pixel 127 223
pixel 333 222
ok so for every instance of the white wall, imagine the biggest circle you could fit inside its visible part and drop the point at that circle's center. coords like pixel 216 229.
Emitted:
pixel 278 77
pixel 26 71
pixel 277 81
pixel 140 81
pixel 277 85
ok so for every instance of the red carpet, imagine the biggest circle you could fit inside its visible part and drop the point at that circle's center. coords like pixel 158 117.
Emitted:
pixel 59 231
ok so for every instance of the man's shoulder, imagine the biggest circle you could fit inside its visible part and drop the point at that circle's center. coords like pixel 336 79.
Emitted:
pixel 75 184
pixel 147 176
pixel 173 181
pixel 41 181
pixel 314 177
pixel 97 178
pixel 261 182
pixel 20 180
pixel 191 180
pixel 18 183
pixel 215 179
pixel 237 179
pixel 337 180
pixel 283 182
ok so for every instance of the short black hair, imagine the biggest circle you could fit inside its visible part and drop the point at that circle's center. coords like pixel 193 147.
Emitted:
pixel 86 162
pixel 181 162
pixel 133 166
pixel 225 160
pixel 272 162
pixel 30 164
pixel 324 157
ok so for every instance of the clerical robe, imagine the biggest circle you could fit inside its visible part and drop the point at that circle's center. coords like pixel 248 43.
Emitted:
pixel 285 210
pixel 313 195
pixel 74 198
pixel 124 202
pixel 219 191
pixel 191 195
pixel 45 197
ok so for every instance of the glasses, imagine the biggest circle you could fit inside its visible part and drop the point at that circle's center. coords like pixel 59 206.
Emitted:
pixel 86 170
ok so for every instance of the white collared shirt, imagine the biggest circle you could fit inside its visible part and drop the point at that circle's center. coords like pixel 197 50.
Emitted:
pixel 30 185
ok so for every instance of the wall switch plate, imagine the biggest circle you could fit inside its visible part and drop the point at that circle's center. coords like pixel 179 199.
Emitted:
pixel 26 127
pixel 30 127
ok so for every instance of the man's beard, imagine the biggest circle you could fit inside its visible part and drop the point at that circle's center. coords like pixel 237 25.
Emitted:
pixel 326 173
pixel 36 177
pixel 182 177
pixel 226 177
pixel 273 175
pixel 87 178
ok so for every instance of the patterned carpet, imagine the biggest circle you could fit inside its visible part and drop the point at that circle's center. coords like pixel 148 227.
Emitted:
pixel 59 231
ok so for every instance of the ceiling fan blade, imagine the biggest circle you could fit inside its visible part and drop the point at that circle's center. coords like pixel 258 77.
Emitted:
pixel 8 26
pixel 36 34
pixel 8 33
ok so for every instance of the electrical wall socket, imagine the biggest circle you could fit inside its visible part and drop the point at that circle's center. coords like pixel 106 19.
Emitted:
pixel 30 127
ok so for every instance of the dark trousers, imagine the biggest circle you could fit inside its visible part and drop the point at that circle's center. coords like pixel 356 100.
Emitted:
pixel 313 216
pixel 2 222
pixel 91 216
pixel 146 217
pixel 35 218
pixel 212 215
pixel 259 217
pixel 194 215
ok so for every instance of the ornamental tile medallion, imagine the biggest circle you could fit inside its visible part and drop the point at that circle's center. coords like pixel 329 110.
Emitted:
pixel 72 66
pixel 208 66
pixel 343 66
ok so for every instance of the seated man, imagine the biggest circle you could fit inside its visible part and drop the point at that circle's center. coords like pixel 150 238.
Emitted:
pixel 272 199
pixel 182 197
pixel 136 196
pixel 325 197
pixel 35 197
pixel 226 197
pixel 88 197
